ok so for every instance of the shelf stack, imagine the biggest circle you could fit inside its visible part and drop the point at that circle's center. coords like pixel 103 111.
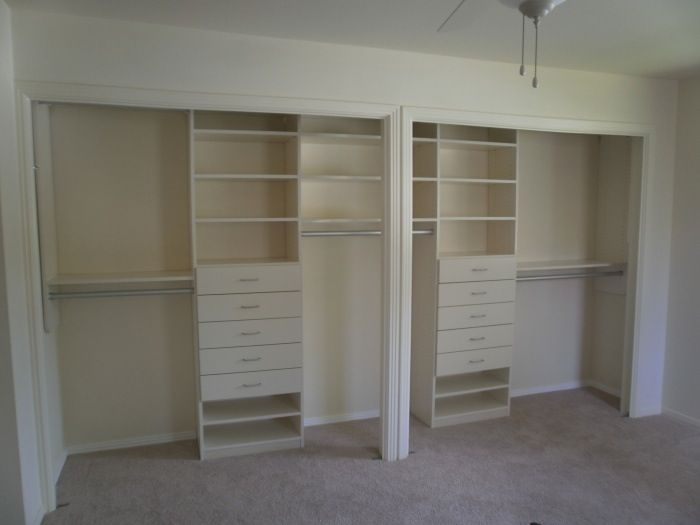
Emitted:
pixel 464 188
pixel 245 189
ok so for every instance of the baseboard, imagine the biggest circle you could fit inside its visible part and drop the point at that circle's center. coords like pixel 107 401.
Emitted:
pixel 519 392
pixel 603 388
pixel 58 463
pixel 131 442
pixel 340 418
pixel 680 416
pixel 38 517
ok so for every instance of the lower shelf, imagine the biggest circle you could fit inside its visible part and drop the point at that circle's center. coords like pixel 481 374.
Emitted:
pixel 250 437
pixel 471 407
pixel 255 409
pixel 456 385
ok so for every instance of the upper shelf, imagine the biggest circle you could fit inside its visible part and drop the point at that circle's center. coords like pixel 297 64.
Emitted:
pixel 243 135
pixel 476 144
pixel 122 278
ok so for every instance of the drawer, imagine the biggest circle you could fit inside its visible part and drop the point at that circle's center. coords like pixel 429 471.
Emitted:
pixel 476 269
pixel 451 317
pixel 248 333
pixel 250 384
pixel 249 358
pixel 235 307
pixel 461 294
pixel 246 279
pixel 474 338
pixel 473 361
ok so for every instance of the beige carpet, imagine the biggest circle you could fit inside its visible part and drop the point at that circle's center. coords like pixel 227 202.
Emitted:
pixel 562 458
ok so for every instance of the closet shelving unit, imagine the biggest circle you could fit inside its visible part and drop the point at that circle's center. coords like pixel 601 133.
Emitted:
pixel 245 216
pixel 464 188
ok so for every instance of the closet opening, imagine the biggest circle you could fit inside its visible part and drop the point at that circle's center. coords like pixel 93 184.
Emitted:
pixel 528 283
pixel 215 275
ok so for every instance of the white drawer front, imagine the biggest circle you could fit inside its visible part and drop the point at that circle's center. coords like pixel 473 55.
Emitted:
pixel 452 317
pixel 247 279
pixel 476 269
pixel 474 338
pixel 460 294
pixel 249 358
pixel 248 333
pixel 235 307
pixel 473 361
pixel 250 384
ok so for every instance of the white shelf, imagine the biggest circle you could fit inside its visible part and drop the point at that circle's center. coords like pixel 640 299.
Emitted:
pixel 458 405
pixel 471 253
pixel 243 177
pixel 243 135
pixel 450 386
pixel 372 220
pixel 244 261
pixel 451 180
pixel 477 218
pixel 256 409
pixel 341 178
pixel 249 433
pixel 425 179
pixel 122 278
pixel 340 138
pixel 425 219
pixel 424 140
pixel 533 266
pixel 477 144
pixel 220 220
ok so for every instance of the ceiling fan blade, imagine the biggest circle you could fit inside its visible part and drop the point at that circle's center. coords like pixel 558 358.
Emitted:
pixel 449 17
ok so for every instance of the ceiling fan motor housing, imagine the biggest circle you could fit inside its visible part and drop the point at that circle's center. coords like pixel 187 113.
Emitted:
pixel 534 9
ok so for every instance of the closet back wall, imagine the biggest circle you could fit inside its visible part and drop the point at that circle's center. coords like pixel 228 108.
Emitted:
pixel 121 194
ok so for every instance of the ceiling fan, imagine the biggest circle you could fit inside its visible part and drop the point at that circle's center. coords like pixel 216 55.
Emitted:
pixel 535 10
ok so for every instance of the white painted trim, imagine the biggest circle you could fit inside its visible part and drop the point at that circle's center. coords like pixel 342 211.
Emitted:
pixel 603 388
pixel 520 392
pixel 58 465
pixel 37 518
pixel 340 418
pixel 139 441
pixel 680 416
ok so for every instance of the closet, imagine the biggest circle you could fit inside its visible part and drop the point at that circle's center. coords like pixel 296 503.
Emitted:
pixel 523 266
pixel 209 271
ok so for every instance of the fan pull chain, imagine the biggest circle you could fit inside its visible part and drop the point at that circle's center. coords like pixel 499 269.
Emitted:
pixel 522 51
pixel 535 81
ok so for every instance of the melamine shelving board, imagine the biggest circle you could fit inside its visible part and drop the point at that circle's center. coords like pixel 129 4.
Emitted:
pixel 122 278
pixel 451 180
pixel 243 177
pixel 476 144
pixel 457 385
pixel 425 179
pixel 471 253
pixel 531 266
pixel 243 135
pixel 424 140
pixel 341 178
pixel 340 138
pixel 371 220
pixel 240 410
pixel 455 406
pixel 477 218
pixel 249 433
pixel 424 219
pixel 235 262
pixel 220 220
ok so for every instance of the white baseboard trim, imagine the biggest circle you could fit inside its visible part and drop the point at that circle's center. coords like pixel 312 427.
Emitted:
pixel 58 464
pixel 131 442
pixel 680 416
pixel 519 392
pixel 340 418
pixel 603 388
pixel 37 518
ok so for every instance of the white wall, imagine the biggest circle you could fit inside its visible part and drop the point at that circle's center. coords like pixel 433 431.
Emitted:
pixel 20 494
pixel 66 49
pixel 681 385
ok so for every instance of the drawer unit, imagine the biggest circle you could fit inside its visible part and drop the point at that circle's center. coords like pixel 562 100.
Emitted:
pixel 249 358
pixel 451 317
pixel 250 384
pixel 233 307
pixel 476 269
pixel 474 338
pixel 462 294
pixel 473 361
pixel 247 279
pixel 248 333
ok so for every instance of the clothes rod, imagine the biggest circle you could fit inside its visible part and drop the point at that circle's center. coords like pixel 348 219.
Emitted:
pixel 354 233
pixel 570 275
pixel 119 293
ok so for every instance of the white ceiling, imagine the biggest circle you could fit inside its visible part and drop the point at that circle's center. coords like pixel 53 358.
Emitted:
pixel 640 37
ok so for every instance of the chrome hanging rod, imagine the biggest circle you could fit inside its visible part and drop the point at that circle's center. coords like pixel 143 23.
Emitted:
pixel 354 233
pixel 119 293
pixel 546 277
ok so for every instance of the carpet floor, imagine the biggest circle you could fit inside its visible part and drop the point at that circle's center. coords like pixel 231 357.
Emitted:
pixel 561 458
